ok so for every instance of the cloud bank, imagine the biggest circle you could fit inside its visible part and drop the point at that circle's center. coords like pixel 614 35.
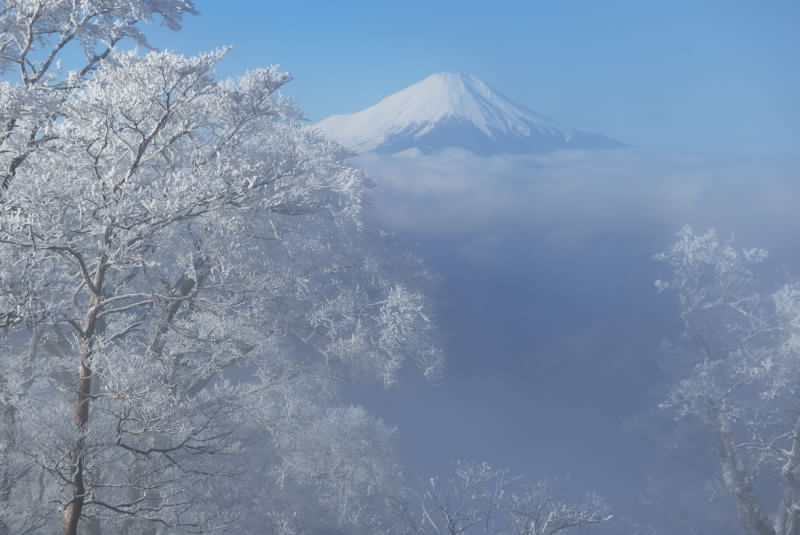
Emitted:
pixel 571 197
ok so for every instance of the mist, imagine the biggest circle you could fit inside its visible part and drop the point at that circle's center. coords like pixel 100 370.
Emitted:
pixel 551 321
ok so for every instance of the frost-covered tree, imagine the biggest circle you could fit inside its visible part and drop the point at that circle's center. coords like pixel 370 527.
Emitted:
pixel 480 499
pixel 740 361
pixel 186 280
pixel 34 35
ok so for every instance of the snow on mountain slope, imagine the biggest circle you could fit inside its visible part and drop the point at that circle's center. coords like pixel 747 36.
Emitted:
pixel 455 110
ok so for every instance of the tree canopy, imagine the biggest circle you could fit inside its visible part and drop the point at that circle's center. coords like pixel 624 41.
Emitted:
pixel 186 281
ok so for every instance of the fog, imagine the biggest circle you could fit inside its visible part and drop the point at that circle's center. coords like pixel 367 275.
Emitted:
pixel 551 321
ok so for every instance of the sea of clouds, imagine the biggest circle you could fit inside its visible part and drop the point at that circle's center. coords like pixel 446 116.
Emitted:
pixel 571 197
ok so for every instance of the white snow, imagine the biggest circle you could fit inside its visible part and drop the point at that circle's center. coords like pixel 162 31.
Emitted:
pixel 417 109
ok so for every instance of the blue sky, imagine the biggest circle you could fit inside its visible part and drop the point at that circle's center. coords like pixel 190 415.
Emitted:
pixel 711 76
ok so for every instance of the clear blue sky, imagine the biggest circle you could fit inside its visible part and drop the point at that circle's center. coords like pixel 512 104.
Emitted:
pixel 678 75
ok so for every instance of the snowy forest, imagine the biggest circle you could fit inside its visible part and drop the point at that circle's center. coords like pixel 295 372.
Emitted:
pixel 207 327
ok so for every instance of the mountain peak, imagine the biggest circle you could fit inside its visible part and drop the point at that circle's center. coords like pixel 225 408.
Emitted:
pixel 452 76
pixel 449 109
pixel 451 80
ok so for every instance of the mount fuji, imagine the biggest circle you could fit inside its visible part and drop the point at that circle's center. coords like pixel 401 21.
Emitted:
pixel 455 110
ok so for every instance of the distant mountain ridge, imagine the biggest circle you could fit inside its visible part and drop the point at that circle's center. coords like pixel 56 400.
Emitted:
pixel 455 110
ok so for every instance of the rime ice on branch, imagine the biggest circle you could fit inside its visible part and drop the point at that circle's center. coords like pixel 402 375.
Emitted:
pixel 185 281
pixel 741 371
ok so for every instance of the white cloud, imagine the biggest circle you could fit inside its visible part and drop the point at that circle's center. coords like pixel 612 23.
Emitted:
pixel 572 196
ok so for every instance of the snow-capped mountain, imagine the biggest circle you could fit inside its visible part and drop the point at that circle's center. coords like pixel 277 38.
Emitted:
pixel 455 110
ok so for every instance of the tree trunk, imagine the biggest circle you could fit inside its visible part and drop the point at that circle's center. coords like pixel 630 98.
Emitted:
pixel 738 483
pixel 788 520
pixel 73 510
pixel 9 422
